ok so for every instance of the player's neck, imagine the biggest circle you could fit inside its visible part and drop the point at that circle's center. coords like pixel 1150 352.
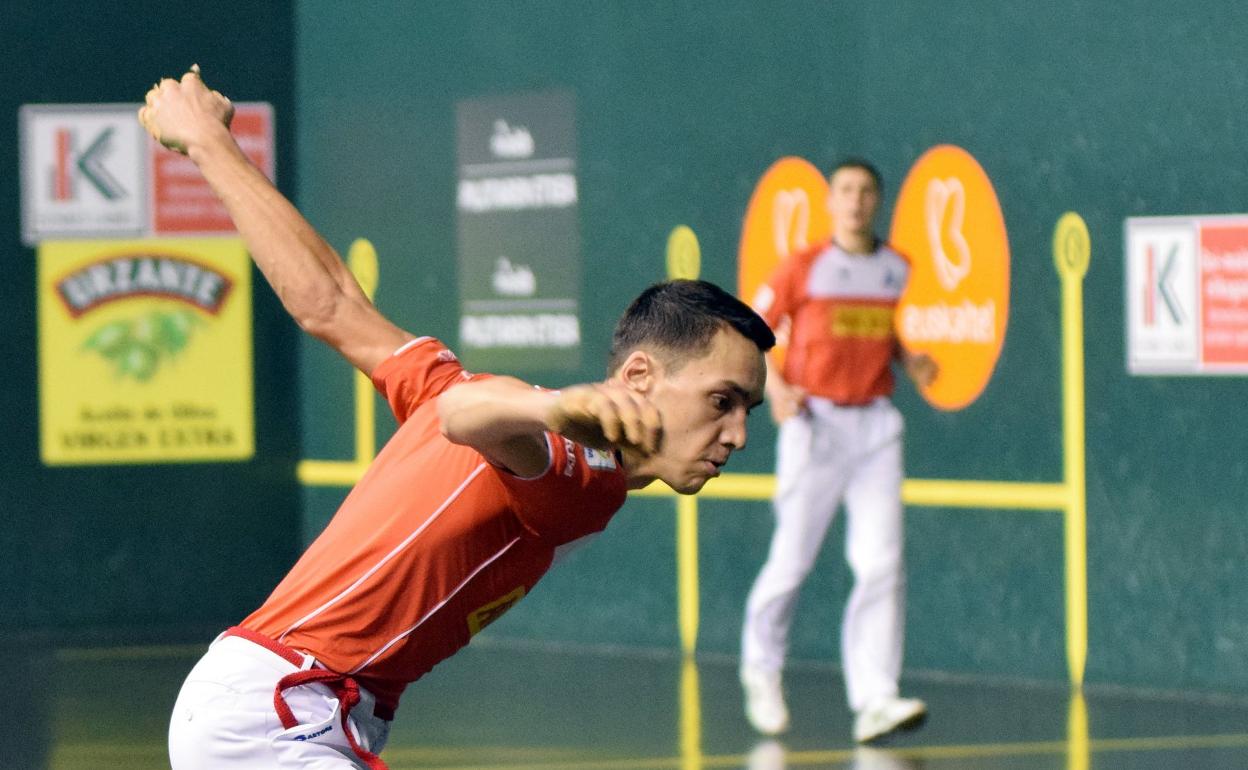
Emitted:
pixel 854 242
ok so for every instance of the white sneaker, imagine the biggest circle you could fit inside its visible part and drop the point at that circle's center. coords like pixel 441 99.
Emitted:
pixel 885 715
pixel 764 700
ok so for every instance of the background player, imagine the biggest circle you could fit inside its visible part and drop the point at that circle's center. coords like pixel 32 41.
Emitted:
pixel 464 509
pixel 840 440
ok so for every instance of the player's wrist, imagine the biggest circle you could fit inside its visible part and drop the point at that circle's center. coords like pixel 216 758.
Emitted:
pixel 213 143
pixel 552 409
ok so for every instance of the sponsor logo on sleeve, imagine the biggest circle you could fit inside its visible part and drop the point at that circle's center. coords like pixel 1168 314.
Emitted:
pixel 598 459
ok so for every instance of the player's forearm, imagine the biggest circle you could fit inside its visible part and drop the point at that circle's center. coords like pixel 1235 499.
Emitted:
pixel 482 414
pixel 305 272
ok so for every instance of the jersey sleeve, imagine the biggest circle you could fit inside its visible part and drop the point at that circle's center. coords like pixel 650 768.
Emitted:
pixel 577 495
pixel 420 370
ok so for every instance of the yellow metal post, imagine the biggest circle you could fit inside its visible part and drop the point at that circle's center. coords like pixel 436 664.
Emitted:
pixel 687 571
pixel 362 259
pixel 1072 252
pixel 684 260
pixel 1078 738
pixel 690 716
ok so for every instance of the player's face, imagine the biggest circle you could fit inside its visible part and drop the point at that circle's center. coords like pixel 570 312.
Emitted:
pixel 853 199
pixel 703 404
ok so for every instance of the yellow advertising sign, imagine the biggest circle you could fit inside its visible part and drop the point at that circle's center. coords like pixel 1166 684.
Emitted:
pixel 145 351
pixel 956 304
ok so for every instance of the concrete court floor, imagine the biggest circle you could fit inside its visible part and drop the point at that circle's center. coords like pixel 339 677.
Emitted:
pixel 504 706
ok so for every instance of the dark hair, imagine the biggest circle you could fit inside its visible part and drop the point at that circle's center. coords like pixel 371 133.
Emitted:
pixel 680 317
pixel 855 162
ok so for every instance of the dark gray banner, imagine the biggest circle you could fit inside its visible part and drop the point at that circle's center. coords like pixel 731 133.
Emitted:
pixel 519 243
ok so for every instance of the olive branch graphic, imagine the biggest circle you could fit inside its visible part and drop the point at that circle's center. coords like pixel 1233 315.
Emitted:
pixel 137 347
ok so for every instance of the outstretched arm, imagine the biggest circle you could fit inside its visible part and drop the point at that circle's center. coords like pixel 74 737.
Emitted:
pixel 310 279
pixel 506 419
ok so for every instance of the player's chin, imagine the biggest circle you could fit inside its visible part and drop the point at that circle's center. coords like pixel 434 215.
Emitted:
pixel 688 486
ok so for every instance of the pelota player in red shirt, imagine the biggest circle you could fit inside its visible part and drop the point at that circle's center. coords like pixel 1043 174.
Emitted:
pixel 840 441
pixel 486 480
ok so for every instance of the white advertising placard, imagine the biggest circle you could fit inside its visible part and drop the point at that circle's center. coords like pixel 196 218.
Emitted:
pixel 90 172
pixel 83 170
pixel 1187 295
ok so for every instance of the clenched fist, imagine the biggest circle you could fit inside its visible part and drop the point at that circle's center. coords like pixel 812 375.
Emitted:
pixel 183 113
pixel 606 416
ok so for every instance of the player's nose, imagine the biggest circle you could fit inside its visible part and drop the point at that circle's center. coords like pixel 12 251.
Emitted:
pixel 734 434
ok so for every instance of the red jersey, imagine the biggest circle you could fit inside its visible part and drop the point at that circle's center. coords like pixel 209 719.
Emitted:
pixel 434 542
pixel 840 308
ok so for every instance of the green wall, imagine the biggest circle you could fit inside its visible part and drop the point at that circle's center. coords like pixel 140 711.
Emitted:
pixel 680 107
pixel 139 552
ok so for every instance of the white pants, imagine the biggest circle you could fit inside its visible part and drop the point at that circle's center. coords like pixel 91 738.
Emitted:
pixel 828 455
pixel 224 716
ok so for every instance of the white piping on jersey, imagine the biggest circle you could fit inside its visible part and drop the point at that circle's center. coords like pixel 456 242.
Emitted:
pixel 435 608
pixel 372 570
pixel 410 344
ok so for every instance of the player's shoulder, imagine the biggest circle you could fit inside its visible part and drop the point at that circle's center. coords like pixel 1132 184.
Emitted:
pixel 798 263
pixel 421 354
pixel 423 347
pixel 419 370
pixel 808 254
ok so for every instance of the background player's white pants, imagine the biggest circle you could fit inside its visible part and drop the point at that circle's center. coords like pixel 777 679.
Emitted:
pixel 224 716
pixel 826 455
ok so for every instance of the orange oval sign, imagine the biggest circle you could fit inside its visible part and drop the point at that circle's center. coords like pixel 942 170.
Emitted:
pixel 787 213
pixel 955 307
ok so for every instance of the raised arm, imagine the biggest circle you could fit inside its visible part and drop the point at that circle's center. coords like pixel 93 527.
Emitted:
pixel 310 279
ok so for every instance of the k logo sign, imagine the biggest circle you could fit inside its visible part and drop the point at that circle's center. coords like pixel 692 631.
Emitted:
pixel 956 305
pixel 83 172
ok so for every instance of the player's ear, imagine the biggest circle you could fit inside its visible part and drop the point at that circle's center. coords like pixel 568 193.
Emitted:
pixel 639 371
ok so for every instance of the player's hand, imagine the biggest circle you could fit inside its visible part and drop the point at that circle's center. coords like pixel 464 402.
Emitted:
pixel 785 400
pixel 183 113
pixel 921 368
pixel 606 416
